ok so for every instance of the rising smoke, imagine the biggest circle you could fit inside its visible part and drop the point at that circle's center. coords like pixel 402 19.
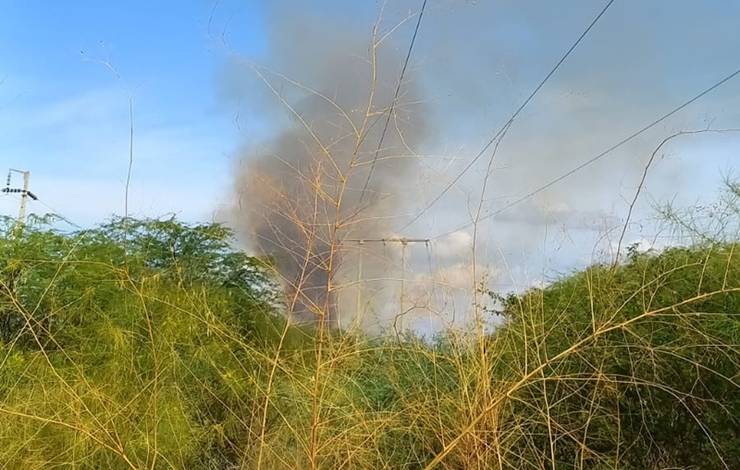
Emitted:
pixel 300 191
pixel 324 178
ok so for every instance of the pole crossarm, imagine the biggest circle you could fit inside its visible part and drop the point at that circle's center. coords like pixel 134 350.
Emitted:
pixel 22 192
pixel 403 241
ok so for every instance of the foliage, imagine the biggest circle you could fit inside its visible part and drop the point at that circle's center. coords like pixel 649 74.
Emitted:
pixel 635 366
pixel 155 344
pixel 125 333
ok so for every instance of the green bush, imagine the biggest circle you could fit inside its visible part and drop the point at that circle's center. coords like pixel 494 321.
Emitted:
pixel 156 344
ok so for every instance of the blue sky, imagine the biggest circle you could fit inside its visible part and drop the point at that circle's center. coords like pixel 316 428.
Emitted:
pixel 198 116
pixel 65 113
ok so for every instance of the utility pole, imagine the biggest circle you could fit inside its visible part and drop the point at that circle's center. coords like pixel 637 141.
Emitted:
pixel 24 197
pixel 24 192
pixel 404 242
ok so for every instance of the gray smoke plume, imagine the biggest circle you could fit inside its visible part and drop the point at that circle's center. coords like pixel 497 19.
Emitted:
pixel 474 64
pixel 323 178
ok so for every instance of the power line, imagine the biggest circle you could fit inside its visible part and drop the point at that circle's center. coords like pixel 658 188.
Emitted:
pixel 512 118
pixel 602 154
pixel 395 99
pixel 58 214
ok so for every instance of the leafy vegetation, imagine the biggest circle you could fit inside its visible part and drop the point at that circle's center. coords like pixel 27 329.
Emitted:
pixel 156 344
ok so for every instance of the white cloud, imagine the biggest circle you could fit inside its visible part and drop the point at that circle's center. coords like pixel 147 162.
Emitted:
pixel 454 245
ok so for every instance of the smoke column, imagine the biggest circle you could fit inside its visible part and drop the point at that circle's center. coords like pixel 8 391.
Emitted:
pixel 301 193
pixel 298 190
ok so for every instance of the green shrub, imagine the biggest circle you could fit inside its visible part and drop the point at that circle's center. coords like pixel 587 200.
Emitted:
pixel 156 344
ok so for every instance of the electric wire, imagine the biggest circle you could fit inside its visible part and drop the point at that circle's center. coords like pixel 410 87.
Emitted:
pixel 508 123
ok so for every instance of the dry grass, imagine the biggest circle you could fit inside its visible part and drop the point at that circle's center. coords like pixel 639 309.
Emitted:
pixel 118 358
